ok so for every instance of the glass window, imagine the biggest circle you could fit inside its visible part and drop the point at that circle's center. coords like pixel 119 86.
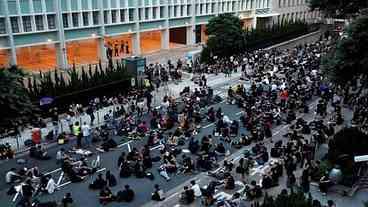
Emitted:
pixel 85 19
pixel 39 23
pixel 146 13
pixel 188 10
pixel 2 26
pixel 162 12
pixel 51 21
pixel 96 16
pixel 65 21
pixel 113 16
pixel 213 8
pixel 27 25
pixel 175 11
pixel 131 15
pixel 181 11
pixel 106 17
pixel 122 15
pixel 75 18
pixel 154 12
pixel 140 11
pixel 14 24
pixel 201 9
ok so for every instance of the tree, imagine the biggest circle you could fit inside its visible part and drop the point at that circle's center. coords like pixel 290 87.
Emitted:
pixel 346 144
pixel 226 36
pixel 349 60
pixel 16 105
pixel 339 8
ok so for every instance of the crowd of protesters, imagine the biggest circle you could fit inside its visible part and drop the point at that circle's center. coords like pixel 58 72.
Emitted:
pixel 279 87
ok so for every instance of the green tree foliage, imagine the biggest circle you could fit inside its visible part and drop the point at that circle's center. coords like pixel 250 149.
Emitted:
pixel 226 36
pixel 348 141
pixel 220 43
pixel 349 60
pixel 16 105
pixel 339 8
pixel 57 83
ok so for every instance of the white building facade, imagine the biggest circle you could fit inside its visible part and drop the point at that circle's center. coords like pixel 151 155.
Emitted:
pixel 44 34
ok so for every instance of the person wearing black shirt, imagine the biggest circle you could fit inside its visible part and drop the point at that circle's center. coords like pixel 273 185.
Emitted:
pixel 67 200
pixel 27 191
pixel 99 183
pixel 158 194
pixel 127 195
pixel 187 197
pixel 106 196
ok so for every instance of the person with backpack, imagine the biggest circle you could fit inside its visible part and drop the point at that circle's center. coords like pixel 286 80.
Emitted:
pixel 158 194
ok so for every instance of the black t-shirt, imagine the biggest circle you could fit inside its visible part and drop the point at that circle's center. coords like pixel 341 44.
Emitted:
pixel 27 190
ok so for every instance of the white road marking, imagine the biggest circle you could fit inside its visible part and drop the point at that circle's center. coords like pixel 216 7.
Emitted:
pixel 209 125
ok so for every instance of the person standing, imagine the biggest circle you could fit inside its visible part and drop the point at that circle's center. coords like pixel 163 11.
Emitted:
pixel 86 131
pixel 122 48
pixel 77 133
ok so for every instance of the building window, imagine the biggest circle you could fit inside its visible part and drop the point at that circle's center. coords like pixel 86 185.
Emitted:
pixel 75 19
pixel 162 12
pixel 213 8
pixel 27 24
pixel 122 15
pixel 201 9
pixel 65 21
pixel 113 16
pixel 39 22
pixel 51 21
pixel 140 11
pixel 146 13
pixel 96 16
pixel 2 26
pixel 154 12
pixel 175 11
pixel 131 15
pixel 14 24
pixel 182 11
pixel 85 19
pixel 106 17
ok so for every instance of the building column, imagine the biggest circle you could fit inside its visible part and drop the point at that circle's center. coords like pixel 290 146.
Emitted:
pixel 254 23
pixel 191 37
pixel 136 40
pixel 165 39
pixel 102 49
pixel 102 32
pixel 62 59
pixel 13 52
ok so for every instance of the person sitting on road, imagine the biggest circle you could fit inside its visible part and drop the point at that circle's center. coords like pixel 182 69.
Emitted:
pixel 125 170
pixel 220 149
pixel 126 195
pixel 163 171
pixel 187 166
pixel 187 196
pixel 229 182
pixel 98 183
pixel 158 194
pixel 106 196
pixel 193 145
pixel 67 200
pixel 195 187
pixel 12 177
pixel 110 178
pixel 38 152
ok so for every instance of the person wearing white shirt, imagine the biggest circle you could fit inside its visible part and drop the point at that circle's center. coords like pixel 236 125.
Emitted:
pixel 51 186
pixel 11 176
pixel 86 132
pixel 195 187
